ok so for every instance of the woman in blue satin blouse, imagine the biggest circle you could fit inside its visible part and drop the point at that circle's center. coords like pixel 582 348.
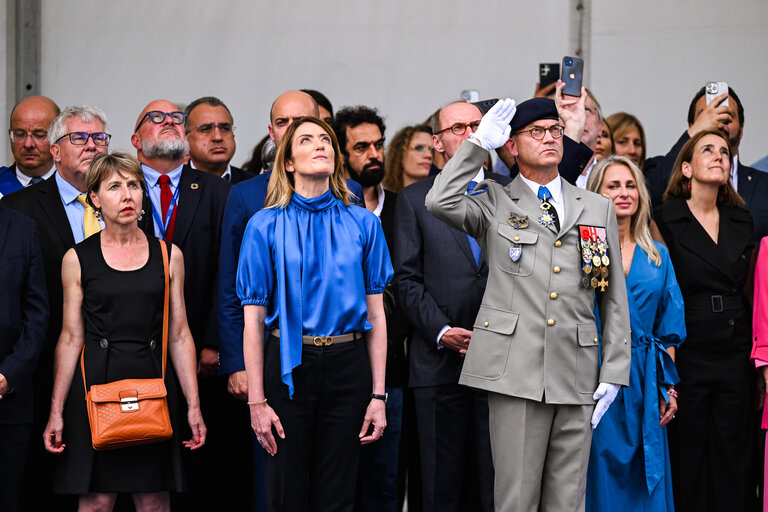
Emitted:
pixel 311 275
pixel 629 467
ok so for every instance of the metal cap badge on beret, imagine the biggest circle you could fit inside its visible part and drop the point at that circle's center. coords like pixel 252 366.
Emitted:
pixel 533 110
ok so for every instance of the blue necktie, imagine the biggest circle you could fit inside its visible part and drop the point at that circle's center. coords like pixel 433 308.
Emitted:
pixel 472 242
pixel 544 195
pixel 35 180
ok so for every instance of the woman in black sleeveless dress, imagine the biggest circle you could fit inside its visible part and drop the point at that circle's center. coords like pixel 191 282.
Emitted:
pixel 113 307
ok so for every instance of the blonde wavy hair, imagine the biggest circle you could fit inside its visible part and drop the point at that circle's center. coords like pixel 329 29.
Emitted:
pixel 281 183
pixel 641 220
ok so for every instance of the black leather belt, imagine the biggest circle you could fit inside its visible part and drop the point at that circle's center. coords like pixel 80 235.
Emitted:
pixel 715 303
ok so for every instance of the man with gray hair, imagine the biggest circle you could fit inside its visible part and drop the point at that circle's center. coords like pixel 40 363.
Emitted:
pixel 186 207
pixel 63 219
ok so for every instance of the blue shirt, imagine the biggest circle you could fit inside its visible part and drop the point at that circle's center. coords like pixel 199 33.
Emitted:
pixel 72 207
pixel 153 191
pixel 312 264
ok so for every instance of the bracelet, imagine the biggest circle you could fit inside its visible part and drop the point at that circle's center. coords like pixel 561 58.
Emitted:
pixel 671 392
pixel 258 402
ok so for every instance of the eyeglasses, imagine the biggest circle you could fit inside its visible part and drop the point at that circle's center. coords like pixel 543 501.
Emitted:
pixel 422 148
pixel 81 138
pixel 21 135
pixel 208 128
pixel 362 147
pixel 538 132
pixel 460 128
pixel 157 117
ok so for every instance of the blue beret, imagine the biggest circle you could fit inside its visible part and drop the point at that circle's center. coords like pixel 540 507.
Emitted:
pixel 533 110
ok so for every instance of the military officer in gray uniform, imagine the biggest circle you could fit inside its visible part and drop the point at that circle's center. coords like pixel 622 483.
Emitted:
pixel 552 249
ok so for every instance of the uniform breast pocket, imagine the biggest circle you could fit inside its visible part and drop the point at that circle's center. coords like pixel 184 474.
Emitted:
pixel 515 250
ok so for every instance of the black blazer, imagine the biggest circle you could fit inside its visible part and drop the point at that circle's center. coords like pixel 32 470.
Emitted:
pixel 239 175
pixel 23 312
pixel 197 233
pixel 437 283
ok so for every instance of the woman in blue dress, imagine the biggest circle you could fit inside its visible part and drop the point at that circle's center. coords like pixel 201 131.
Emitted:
pixel 629 462
pixel 311 273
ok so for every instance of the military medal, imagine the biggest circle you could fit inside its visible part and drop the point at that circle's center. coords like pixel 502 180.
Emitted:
pixel 515 252
pixel 546 218
pixel 518 221
pixel 594 255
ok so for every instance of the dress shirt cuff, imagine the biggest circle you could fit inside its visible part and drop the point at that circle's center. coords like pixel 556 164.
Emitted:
pixel 440 336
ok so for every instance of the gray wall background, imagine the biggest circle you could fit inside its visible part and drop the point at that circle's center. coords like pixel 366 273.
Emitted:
pixel 404 57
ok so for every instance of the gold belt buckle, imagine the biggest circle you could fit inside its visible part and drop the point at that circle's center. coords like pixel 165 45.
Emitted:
pixel 323 341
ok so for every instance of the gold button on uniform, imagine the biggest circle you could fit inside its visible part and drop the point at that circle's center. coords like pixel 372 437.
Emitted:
pixel 516 238
pixel 595 340
pixel 556 270
pixel 558 243
pixel 553 295
pixel 485 324
pixel 550 322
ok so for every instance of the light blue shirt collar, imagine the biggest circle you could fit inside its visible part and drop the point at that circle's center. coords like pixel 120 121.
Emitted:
pixel 67 192
pixel 151 176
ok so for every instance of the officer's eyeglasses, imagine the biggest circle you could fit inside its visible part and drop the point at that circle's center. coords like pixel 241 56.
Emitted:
pixel 538 132
pixel 461 128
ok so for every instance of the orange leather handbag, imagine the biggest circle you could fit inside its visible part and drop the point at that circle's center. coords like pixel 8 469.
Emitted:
pixel 131 412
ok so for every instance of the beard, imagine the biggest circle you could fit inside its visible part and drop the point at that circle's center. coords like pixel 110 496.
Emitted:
pixel 371 174
pixel 167 149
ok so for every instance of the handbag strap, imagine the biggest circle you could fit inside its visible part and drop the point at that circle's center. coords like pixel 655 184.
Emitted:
pixel 166 303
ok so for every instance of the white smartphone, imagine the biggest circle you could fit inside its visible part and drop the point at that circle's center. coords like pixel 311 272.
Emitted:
pixel 715 89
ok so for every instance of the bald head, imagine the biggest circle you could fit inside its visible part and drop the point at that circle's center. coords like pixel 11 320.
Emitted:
pixel 286 108
pixel 30 120
pixel 162 145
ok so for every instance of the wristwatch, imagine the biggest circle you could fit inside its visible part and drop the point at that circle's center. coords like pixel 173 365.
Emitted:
pixel 380 397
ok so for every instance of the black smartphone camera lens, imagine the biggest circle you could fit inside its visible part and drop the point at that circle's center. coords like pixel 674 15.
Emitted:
pixel 569 62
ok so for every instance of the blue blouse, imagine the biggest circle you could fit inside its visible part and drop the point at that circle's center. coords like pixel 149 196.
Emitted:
pixel 312 264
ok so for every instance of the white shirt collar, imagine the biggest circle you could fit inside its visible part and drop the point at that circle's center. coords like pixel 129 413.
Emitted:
pixel 380 206
pixel 227 175
pixel 735 172
pixel 25 180
pixel 555 188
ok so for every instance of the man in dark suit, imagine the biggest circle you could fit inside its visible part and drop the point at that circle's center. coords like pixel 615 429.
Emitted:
pixel 439 281
pixel 186 208
pixel 55 207
pixel 211 135
pixel 23 321
pixel 750 183
pixel 28 132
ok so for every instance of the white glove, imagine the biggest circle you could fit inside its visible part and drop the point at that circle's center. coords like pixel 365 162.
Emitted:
pixel 605 394
pixel 494 128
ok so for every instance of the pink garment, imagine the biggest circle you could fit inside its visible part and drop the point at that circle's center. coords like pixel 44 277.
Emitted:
pixel 760 337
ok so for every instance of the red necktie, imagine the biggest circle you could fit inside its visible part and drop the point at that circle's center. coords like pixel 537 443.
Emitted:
pixel 166 196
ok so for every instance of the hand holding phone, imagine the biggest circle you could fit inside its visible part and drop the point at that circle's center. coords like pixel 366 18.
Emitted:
pixel 715 89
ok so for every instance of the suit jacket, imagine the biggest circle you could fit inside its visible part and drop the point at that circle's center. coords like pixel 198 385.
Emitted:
pixel 535 336
pixel 9 183
pixel 23 312
pixel 245 199
pixel 437 283
pixel 752 185
pixel 197 233
pixel 239 175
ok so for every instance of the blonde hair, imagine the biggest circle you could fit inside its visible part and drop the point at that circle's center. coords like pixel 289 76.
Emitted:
pixel 105 165
pixel 679 185
pixel 641 220
pixel 281 183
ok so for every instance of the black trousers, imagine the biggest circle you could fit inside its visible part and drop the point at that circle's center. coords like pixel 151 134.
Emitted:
pixel 455 445
pixel 317 462
pixel 707 439
pixel 14 440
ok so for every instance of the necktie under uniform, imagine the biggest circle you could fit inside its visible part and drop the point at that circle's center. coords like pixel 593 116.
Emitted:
pixel 90 222
pixel 544 194
pixel 473 245
pixel 166 196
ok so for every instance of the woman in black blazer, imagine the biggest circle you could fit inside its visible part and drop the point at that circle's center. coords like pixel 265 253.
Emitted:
pixel 710 241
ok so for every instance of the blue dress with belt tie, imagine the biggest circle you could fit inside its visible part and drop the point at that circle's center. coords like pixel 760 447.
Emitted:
pixel 629 462
pixel 312 264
